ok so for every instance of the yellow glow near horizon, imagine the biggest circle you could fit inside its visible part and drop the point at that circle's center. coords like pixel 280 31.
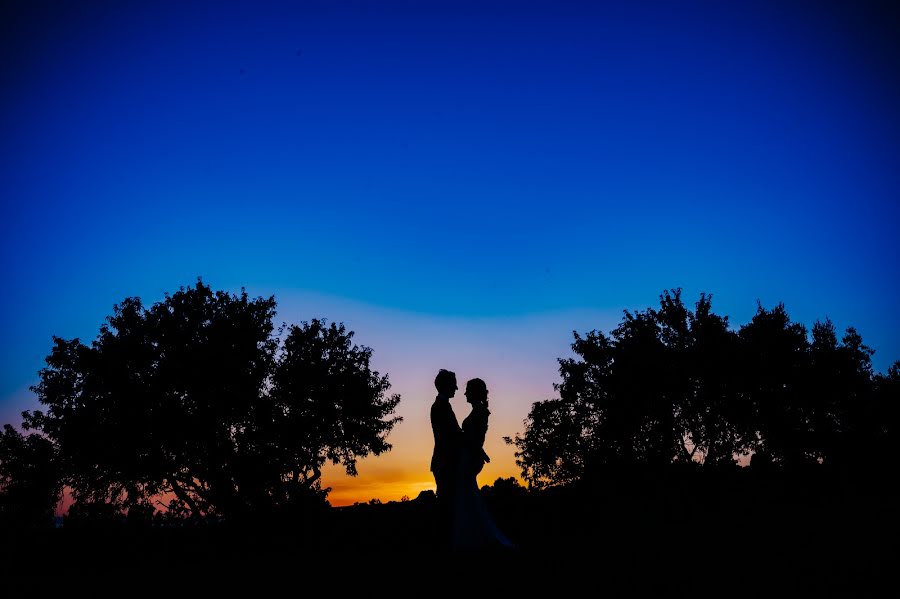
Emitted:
pixel 516 357
pixel 387 479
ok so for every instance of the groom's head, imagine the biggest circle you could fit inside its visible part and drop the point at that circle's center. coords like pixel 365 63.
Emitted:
pixel 445 383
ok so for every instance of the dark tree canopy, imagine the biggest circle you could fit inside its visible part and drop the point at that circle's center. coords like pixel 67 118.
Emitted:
pixel 196 400
pixel 29 480
pixel 675 385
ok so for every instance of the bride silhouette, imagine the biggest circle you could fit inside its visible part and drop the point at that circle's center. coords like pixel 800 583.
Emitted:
pixel 473 526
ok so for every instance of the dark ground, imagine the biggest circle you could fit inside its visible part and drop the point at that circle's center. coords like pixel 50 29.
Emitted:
pixel 806 534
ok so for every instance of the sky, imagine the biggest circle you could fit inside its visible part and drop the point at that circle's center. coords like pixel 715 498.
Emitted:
pixel 462 184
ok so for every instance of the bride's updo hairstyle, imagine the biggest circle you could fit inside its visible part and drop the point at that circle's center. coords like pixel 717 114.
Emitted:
pixel 476 392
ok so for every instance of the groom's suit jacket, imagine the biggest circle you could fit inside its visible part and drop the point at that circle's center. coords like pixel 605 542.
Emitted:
pixel 447 436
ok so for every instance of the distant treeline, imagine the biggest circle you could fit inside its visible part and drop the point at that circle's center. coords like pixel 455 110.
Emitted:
pixel 673 385
pixel 197 409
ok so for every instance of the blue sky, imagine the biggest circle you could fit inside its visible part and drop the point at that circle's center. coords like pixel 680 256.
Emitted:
pixel 476 163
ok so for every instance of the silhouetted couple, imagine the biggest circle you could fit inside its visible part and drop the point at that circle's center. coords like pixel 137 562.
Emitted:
pixel 458 458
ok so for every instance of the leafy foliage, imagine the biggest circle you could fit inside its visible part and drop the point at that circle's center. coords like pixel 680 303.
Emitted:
pixel 193 399
pixel 675 385
pixel 29 480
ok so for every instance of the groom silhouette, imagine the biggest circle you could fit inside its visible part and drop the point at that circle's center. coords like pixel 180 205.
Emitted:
pixel 447 439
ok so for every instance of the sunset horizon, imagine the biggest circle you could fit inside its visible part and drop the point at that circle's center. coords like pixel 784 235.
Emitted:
pixel 602 294
pixel 410 348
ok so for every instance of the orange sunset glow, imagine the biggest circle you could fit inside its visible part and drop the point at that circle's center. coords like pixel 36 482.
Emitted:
pixel 510 354
pixel 594 297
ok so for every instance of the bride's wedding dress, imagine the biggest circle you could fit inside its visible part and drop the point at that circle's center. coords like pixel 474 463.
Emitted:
pixel 473 525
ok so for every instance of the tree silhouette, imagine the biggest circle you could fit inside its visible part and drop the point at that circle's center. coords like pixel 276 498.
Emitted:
pixel 192 399
pixel 675 385
pixel 29 480
pixel 656 390
pixel 880 430
pixel 715 418
pixel 808 396
pixel 773 360
pixel 327 404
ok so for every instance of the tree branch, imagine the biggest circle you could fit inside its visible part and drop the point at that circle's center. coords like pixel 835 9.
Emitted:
pixel 185 497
